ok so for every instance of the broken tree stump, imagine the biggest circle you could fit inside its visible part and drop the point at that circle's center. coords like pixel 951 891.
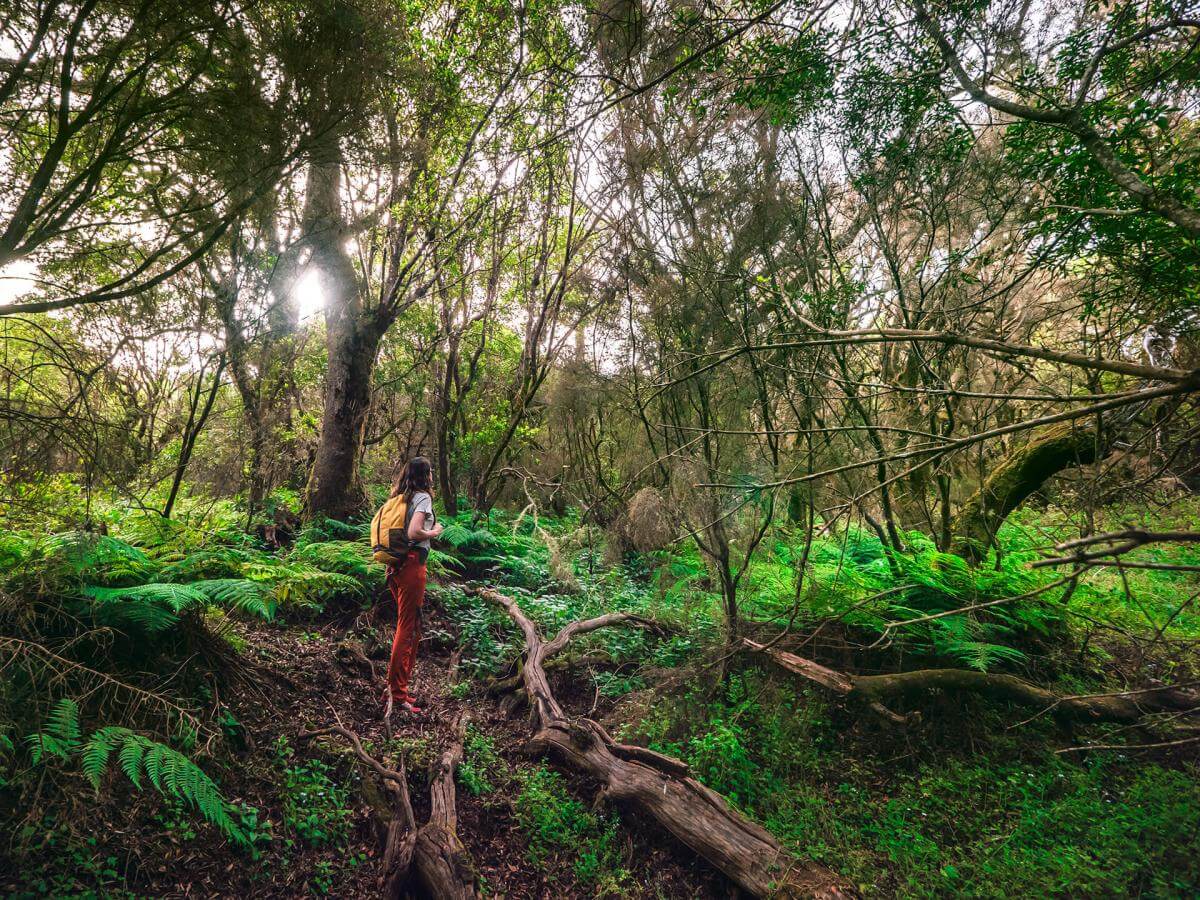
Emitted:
pixel 659 785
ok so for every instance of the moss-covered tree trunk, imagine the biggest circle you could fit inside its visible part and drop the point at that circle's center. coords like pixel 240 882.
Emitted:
pixel 1017 476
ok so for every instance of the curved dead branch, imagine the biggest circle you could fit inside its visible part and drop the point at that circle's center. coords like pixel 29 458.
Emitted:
pixel 659 785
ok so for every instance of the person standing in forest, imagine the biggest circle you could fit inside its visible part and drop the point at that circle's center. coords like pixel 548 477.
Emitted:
pixel 400 535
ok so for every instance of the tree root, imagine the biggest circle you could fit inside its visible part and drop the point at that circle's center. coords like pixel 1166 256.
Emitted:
pixel 1122 706
pixel 430 858
pixel 659 785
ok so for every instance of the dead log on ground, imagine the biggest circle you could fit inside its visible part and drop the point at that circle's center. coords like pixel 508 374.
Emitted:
pixel 432 855
pixel 1122 706
pixel 659 785
pixel 444 867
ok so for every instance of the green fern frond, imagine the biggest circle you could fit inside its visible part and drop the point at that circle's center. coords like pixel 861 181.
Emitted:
pixel 224 562
pixel 130 757
pixel 240 594
pixel 98 749
pixel 171 773
pixel 440 564
pixel 63 721
pixel 100 558
pixel 303 585
pixel 60 736
pixel 176 596
pixel 351 558
pixel 150 607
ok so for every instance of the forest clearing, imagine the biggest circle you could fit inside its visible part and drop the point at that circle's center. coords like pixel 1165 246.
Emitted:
pixel 622 448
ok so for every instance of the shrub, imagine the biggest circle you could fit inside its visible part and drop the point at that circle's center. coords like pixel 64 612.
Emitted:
pixel 649 524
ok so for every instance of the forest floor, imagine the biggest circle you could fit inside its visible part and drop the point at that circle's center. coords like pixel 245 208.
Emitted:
pixel 976 798
pixel 316 837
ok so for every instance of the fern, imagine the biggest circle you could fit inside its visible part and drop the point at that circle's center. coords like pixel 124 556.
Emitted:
pixel 224 562
pixel 176 596
pixel 471 542
pixel 101 558
pixel 324 530
pixel 131 761
pixel 15 549
pixel 60 737
pixel 351 558
pixel 440 564
pixel 299 584
pixel 94 759
pixel 171 773
pixel 241 594
pixel 151 607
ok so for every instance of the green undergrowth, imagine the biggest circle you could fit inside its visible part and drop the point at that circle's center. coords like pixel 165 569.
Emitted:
pixel 316 801
pixel 90 618
pixel 515 557
pixel 968 804
pixel 964 808
pixel 995 617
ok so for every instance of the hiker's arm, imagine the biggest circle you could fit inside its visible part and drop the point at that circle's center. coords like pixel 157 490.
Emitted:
pixel 418 533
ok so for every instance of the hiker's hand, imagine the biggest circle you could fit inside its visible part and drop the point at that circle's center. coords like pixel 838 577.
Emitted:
pixel 437 529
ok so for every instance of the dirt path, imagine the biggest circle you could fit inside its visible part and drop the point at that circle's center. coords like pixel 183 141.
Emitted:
pixel 331 672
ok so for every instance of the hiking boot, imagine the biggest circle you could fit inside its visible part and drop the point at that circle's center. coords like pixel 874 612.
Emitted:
pixel 409 705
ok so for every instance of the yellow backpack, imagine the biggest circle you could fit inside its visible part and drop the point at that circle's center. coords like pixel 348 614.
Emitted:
pixel 389 532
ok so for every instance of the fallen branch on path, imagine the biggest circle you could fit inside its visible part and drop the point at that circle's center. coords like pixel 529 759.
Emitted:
pixel 1120 706
pixel 659 785
pixel 432 855
pixel 444 867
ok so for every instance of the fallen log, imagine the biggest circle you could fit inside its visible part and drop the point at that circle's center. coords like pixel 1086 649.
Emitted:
pixel 659 785
pixel 443 865
pixel 432 855
pixel 393 812
pixel 1121 706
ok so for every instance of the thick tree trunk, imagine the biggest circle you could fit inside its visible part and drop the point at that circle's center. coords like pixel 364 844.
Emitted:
pixel 1017 476
pixel 352 339
pixel 659 785
pixel 1127 706
pixel 335 488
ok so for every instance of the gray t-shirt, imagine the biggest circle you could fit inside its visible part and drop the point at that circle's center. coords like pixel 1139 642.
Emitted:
pixel 423 503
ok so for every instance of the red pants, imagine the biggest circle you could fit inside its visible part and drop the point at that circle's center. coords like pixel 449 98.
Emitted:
pixel 407 584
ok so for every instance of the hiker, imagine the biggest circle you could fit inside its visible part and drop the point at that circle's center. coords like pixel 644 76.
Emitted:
pixel 400 534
